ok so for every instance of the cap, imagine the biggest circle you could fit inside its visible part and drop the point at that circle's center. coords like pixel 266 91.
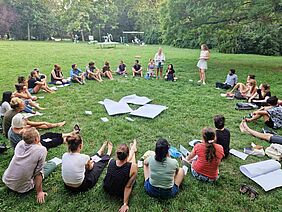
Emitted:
pixel 18 121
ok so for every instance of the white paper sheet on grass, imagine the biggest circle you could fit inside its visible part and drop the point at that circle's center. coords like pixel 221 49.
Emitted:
pixel 238 154
pixel 267 174
pixel 114 108
pixel 149 111
pixel 134 99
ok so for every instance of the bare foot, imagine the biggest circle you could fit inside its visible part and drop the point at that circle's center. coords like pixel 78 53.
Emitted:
pixel 133 145
pixel 41 108
pixel 60 124
pixel 110 148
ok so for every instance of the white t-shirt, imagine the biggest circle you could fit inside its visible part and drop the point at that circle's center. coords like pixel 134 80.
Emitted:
pixel 4 108
pixel 159 58
pixel 73 167
pixel 204 54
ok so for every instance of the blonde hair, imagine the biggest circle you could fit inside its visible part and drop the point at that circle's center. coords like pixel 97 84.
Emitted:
pixel 30 135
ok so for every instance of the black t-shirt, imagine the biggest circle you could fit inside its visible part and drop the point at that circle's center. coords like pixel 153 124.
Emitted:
pixel 170 71
pixel 137 67
pixel 32 82
pixel 122 67
pixel 106 68
pixel 223 138
pixel 261 97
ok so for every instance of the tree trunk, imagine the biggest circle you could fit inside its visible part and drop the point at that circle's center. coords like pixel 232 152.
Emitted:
pixel 28 32
pixel 82 36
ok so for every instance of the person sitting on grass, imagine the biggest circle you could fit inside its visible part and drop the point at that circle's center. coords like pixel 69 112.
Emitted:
pixel 22 80
pixel 205 167
pixel 92 73
pixel 5 104
pixel 121 70
pixel 222 134
pixel 121 174
pixel 57 76
pixel 106 71
pixel 276 139
pixel 137 69
pixel 243 91
pixel 35 84
pixel 272 114
pixel 151 68
pixel 230 82
pixel 77 75
pixel 19 126
pixel 262 94
pixel 170 73
pixel 79 172
pixel 162 173
pixel 27 167
pixel 22 93
pixel 18 106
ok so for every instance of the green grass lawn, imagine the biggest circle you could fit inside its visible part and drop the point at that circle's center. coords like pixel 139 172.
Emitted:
pixel 190 108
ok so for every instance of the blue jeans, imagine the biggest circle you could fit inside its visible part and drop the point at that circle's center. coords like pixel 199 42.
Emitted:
pixel 160 192
pixel 202 177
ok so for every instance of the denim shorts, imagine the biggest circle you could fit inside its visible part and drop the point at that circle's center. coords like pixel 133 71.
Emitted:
pixel 30 90
pixel 202 177
pixel 160 192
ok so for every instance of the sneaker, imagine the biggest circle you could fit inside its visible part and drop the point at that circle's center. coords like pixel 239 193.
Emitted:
pixel 199 81
pixel 204 83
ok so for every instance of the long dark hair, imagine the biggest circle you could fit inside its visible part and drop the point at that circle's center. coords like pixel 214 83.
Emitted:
pixel 161 150
pixel 209 138
pixel 122 152
pixel 6 96
pixel 73 142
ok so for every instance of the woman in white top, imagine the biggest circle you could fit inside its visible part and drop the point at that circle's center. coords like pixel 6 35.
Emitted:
pixel 159 62
pixel 202 63
pixel 79 172
pixel 5 104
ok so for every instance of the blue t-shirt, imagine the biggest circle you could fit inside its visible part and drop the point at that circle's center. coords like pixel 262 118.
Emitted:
pixel 231 80
pixel 75 73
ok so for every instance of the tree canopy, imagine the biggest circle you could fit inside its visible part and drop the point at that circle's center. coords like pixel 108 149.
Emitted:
pixel 238 26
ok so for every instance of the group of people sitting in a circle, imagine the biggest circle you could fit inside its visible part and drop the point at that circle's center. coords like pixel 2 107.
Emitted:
pixel 80 172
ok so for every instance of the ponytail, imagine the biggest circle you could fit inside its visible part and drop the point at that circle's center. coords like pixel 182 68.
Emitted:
pixel 209 138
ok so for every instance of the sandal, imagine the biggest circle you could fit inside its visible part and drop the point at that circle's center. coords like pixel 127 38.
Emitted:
pixel 252 193
pixel 76 128
pixel 244 188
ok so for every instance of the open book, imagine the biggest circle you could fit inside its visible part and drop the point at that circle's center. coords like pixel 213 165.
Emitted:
pixel 268 173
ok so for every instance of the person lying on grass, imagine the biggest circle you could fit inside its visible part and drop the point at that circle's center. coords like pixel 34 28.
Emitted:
pixel 48 140
pixel 57 76
pixel 18 106
pixel 79 172
pixel 77 75
pixel 205 167
pixel 121 174
pixel 26 169
pixel 262 94
pixel 222 134
pixel 272 114
pixel 137 69
pixel 35 84
pixel 93 73
pixel 162 173
pixel 277 139
pixel 106 71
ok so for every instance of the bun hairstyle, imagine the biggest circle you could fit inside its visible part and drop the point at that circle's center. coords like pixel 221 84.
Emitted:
pixel 209 138
pixel 73 142
pixel 122 152
pixel 161 150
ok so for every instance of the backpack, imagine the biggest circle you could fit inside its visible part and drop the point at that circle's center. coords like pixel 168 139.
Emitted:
pixel 245 106
pixel 274 151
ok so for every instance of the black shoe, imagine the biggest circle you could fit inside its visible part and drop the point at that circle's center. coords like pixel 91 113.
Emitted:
pixel 76 128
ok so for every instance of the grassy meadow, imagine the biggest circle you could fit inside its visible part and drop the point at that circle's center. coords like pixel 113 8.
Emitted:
pixel 190 108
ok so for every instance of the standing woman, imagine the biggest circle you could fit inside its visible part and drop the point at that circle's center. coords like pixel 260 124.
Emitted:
pixel 159 61
pixel 202 64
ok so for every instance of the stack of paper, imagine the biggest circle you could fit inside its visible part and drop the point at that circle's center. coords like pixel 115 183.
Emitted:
pixel 149 111
pixel 114 108
pixel 134 99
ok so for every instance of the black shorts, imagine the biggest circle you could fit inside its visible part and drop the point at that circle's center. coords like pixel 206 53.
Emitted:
pixel 91 176
pixel 277 139
pixel 269 123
